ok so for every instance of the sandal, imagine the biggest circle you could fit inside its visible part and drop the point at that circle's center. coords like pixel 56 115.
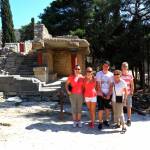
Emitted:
pixel 116 126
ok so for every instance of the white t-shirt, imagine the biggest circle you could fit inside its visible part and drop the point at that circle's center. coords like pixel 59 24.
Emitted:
pixel 119 89
pixel 105 80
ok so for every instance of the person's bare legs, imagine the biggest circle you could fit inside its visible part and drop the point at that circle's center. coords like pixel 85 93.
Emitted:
pixel 78 118
pixel 89 107
pixel 92 110
pixel 129 115
pixel 92 106
pixel 100 118
pixel 107 111
pixel 129 112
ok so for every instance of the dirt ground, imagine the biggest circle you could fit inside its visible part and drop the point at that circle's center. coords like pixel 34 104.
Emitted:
pixel 37 126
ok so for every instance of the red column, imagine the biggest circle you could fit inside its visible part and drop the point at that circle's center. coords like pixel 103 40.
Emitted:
pixel 21 45
pixel 73 61
pixel 39 58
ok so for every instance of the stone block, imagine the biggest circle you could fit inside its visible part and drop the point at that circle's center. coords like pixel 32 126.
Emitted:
pixel 53 76
pixel 41 73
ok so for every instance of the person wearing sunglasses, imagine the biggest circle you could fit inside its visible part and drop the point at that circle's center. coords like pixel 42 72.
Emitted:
pixel 118 99
pixel 104 92
pixel 89 88
pixel 128 78
pixel 74 88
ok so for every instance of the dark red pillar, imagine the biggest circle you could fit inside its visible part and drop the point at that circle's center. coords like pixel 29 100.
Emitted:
pixel 40 58
pixel 21 45
pixel 73 61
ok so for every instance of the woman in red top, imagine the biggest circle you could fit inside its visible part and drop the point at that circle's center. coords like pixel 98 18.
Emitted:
pixel 74 88
pixel 89 87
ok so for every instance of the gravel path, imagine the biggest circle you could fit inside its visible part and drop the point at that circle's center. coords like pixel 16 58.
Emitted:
pixel 36 126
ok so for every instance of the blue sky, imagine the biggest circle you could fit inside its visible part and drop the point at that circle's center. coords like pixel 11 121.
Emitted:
pixel 24 10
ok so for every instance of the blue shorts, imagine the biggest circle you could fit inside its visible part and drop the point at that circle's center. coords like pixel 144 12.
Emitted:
pixel 129 101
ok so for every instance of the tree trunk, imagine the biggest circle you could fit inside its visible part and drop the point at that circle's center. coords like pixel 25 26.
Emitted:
pixel 142 72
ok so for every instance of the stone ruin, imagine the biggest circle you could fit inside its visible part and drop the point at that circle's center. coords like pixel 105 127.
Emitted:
pixel 23 75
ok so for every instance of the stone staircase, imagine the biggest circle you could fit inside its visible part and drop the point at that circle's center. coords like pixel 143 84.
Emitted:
pixel 26 67
pixel 12 64
pixel 16 64
pixel 16 77
pixel 15 85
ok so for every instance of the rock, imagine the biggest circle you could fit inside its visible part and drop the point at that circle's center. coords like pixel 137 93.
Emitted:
pixel 141 102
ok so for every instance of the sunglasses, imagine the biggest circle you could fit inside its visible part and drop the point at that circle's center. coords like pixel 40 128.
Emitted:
pixel 88 71
pixel 116 74
pixel 77 69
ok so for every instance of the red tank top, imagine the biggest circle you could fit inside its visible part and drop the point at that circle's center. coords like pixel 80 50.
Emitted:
pixel 76 83
pixel 89 88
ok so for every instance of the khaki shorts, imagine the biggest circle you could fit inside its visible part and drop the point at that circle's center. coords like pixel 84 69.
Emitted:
pixel 76 103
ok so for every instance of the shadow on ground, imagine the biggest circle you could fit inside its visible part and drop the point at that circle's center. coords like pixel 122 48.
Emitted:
pixel 68 127
pixel 51 121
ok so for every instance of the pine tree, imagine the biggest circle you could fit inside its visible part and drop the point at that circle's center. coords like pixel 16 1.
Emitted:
pixel 8 34
pixel 63 17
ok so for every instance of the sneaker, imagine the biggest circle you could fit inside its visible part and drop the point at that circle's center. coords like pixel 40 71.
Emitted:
pixel 100 126
pixel 123 130
pixel 106 123
pixel 128 123
pixel 74 124
pixel 79 124
pixel 91 125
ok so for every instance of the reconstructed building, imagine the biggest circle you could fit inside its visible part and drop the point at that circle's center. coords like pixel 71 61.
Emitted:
pixel 59 54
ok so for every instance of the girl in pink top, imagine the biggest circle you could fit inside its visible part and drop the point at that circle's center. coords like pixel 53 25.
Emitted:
pixel 89 88
pixel 128 78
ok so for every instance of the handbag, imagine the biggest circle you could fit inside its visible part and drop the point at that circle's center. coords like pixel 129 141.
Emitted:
pixel 69 87
pixel 119 99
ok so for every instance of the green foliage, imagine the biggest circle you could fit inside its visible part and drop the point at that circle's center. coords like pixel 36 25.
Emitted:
pixel 78 32
pixel 63 16
pixel 106 29
pixel 7 23
pixel 27 31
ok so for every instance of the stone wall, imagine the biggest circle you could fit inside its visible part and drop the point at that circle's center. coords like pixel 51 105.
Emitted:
pixel 81 61
pixel 14 85
pixel 41 32
pixel 48 60
pixel 11 86
pixel 13 46
pixel 62 62
pixel 41 73
pixel 28 47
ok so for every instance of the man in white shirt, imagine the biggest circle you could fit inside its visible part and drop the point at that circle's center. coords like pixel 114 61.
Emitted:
pixel 104 91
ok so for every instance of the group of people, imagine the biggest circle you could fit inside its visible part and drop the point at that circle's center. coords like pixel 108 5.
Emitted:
pixel 107 91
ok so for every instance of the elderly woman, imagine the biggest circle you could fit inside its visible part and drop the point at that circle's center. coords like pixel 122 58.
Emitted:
pixel 74 88
pixel 118 99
